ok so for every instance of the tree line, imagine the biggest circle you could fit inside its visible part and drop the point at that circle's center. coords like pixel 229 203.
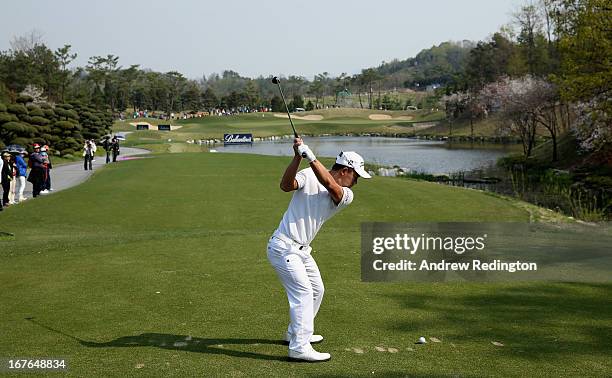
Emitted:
pixel 551 70
pixel 550 67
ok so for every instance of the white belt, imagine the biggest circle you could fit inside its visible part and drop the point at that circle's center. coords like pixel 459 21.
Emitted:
pixel 286 239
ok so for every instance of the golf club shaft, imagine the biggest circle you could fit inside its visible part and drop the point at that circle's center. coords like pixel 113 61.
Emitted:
pixel 287 109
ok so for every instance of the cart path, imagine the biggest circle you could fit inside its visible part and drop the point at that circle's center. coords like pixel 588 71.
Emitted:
pixel 69 175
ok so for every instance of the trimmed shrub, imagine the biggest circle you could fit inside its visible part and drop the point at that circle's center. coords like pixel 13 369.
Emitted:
pixel 39 121
pixel 64 125
pixel 14 127
pixel 24 99
pixel 39 140
pixel 25 118
pixel 67 151
pixel 7 117
pixel 17 109
pixel 63 112
pixel 24 142
pixel 49 113
pixel 35 111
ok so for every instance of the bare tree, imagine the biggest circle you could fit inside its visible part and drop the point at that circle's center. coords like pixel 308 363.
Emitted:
pixel 27 42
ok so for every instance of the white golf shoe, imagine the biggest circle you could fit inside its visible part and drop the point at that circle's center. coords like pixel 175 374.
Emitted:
pixel 313 339
pixel 310 355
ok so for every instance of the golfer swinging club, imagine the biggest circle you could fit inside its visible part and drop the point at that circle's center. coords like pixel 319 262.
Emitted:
pixel 319 195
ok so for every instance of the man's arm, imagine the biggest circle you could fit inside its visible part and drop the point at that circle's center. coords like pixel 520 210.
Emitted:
pixel 288 182
pixel 326 179
pixel 323 176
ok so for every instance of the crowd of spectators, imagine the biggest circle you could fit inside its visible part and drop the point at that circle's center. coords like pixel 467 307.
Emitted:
pixel 15 163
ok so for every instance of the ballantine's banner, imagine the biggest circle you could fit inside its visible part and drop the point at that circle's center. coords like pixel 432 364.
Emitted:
pixel 237 138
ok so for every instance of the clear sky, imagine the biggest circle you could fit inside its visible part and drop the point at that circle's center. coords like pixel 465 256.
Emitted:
pixel 254 38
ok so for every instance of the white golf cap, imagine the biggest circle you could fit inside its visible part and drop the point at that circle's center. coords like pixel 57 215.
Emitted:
pixel 353 160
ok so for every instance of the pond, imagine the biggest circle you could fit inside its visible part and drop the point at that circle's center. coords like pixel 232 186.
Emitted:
pixel 436 157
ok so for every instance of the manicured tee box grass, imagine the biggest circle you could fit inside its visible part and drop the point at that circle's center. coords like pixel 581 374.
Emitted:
pixel 157 267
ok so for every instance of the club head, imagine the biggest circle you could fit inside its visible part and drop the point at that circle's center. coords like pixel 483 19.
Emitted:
pixel 275 80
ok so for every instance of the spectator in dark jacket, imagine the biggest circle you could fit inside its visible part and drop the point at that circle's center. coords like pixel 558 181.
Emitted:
pixel 47 166
pixel 107 147
pixel 1 180
pixel 115 148
pixel 37 172
pixel 7 177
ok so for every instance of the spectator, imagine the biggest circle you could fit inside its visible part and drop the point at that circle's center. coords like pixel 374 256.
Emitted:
pixel 1 180
pixel 11 196
pixel 88 152
pixel 47 169
pixel 115 148
pixel 7 177
pixel 21 168
pixel 36 176
pixel 107 147
pixel 95 148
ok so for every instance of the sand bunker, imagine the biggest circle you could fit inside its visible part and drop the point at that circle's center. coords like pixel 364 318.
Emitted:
pixel 412 127
pixel 154 127
pixel 311 117
pixel 386 117
pixel 379 117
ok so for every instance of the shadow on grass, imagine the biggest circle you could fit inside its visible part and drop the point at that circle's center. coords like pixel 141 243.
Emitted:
pixel 534 321
pixel 189 344
pixel 179 343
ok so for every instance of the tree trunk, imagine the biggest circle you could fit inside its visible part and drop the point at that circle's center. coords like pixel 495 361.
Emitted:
pixel 531 136
pixel 555 157
pixel 359 95
pixel 472 127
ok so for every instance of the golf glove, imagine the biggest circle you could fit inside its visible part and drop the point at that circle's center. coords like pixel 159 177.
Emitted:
pixel 306 153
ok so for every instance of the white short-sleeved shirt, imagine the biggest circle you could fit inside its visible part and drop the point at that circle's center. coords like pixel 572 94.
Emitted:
pixel 310 206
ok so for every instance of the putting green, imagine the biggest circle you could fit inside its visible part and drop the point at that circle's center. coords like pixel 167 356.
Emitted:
pixel 158 266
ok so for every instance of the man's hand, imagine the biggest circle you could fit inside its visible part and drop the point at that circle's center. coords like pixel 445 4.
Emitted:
pixel 306 153
pixel 296 143
pixel 288 182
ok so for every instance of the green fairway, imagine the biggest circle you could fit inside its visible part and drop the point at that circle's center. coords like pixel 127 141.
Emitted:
pixel 158 267
pixel 334 121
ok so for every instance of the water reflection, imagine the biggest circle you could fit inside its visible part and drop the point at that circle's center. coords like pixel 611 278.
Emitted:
pixel 414 154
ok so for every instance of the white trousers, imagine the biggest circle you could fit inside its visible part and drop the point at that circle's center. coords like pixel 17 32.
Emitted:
pixel 300 276
pixel 11 195
pixel 22 185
